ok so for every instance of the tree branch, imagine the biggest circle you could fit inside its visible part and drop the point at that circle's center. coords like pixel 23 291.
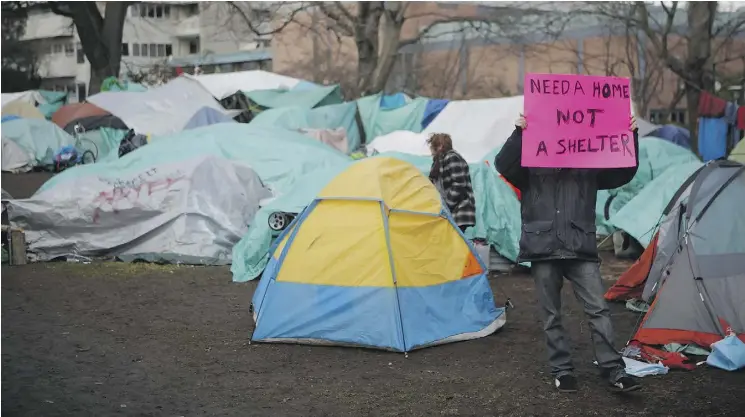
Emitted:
pixel 344 23
pixel 249 20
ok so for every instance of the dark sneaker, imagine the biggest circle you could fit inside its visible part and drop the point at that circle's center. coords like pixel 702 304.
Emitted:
pixel 566 383
pixel 625 384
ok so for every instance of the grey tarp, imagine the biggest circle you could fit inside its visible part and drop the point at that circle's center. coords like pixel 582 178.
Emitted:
pixel 698 275
pixel 191 211
pixel 15 158
pixel 207 116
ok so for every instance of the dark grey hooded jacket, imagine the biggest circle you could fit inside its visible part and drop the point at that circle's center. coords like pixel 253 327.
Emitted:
pixel 558 205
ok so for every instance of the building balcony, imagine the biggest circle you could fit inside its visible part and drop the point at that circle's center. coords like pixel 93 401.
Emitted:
pixel 187 28
pixel 58 66
pixel 220 59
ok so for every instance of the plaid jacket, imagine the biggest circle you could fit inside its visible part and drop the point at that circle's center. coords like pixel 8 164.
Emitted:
pixel 454 179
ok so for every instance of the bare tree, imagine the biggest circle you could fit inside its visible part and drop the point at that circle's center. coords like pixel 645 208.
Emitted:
pixel 100 35
pixel 375 28
pixel 19 63
pixel 690 41
pixel 622 52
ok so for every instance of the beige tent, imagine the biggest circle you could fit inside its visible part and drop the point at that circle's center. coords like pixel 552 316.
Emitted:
pixel 738 154
pixel 22 109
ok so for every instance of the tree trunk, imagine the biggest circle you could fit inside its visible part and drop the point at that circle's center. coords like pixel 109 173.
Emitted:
pixel 699 62
pixel 100 37
pixel 366 38
pixel 390 35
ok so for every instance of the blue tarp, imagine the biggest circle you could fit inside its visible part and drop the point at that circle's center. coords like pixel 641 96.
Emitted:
pixel 433 108
pixel 712 138
pixel 393 101
pixel 675 134
pixel 207 116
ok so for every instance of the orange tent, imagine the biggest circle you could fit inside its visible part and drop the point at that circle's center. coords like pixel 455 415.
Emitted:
pixel 72 112
pixel 631 283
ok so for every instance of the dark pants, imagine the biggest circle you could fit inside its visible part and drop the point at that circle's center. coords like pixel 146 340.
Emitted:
pixel 588 288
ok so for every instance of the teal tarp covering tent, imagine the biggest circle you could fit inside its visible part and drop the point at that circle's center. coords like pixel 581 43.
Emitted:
pixel 251 253
pixel 38 137
pixel 54 100
pixel 327 117
pixel 278 156
pixel 497 214
pixel 640 216
pixel 306 99
pixel 655 157
pixel 103 142
pixel 378 121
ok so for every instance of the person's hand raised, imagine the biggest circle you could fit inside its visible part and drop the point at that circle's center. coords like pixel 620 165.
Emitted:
pixel 633 125
pixel 521 122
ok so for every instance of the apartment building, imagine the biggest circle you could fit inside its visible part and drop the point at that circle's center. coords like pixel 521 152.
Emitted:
pixel 162 36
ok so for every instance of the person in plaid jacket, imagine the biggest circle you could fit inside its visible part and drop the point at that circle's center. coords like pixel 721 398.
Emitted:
pixel 451 176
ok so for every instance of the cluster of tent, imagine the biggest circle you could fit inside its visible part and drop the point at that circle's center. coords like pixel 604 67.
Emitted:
pixel 227 152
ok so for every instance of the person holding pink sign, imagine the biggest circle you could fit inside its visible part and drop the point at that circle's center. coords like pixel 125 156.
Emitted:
pixel 558 238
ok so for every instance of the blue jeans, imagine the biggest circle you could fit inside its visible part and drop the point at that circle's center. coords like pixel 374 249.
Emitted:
pixel 588 288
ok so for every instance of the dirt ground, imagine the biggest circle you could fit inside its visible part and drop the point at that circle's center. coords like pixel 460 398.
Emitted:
pixel 146 340
pixel 24 185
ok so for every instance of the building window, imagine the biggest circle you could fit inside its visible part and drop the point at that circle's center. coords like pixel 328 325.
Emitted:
pixel 192 9
pixel 169 49
pixel 125 49
pixel 81 54
pixel 69 49
pixel 57 48
pixel 161 49
pixel 155 11
pixel 143 49
pixel 135 49
pixel 194 46
pixel 153 49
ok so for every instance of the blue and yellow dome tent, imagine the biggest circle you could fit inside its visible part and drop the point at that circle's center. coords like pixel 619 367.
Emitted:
pixel 375 261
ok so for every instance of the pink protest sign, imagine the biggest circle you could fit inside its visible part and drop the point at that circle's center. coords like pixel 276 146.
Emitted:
pixel 577 121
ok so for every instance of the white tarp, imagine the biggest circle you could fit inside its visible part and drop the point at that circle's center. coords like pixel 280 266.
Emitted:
pixel 226 84
pixel 400 141
pixel 30 96
pixel 15 158
pixel 161 110
pixel 192 211
pixel 477 128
